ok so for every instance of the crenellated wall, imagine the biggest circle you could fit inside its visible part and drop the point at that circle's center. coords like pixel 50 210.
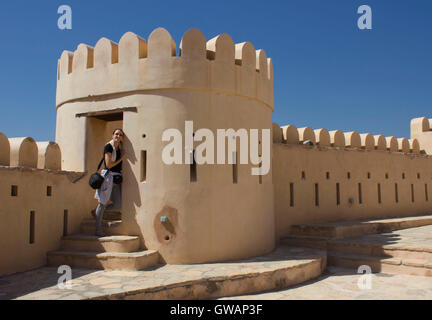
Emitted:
pixel 336 138
pixel 4 150
pixel 134 65
pixel 38 202
pixel 355 176
pixel 421 129
pixel 26 152
pixel 49 155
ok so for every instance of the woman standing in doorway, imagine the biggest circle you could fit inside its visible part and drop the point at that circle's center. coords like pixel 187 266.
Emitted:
pixel 111 187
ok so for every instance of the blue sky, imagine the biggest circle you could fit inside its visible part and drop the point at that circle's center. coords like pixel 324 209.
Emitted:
pixel 328 73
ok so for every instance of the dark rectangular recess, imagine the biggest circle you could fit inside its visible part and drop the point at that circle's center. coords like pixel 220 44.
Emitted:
pixel 107 115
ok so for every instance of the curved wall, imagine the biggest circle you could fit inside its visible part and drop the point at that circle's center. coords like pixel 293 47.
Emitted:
pixel 225 212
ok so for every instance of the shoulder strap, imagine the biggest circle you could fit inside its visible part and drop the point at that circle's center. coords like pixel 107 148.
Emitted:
pixel 100 163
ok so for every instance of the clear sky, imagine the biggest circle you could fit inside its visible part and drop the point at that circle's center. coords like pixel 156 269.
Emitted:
pixel 328 73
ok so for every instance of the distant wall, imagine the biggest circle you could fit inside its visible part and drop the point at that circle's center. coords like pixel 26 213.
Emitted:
pixel 318 184
pixel 46 195
pixel 39 202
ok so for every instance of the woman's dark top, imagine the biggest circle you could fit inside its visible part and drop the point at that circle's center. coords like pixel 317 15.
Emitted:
pixel 109 149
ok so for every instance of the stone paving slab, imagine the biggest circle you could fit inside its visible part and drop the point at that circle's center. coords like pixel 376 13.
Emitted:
pixel 284 267
pixel 342 284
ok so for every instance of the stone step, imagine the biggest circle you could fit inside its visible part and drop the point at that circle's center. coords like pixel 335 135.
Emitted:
pixel 112 215
pixel 348 229
pixel 107 260
pixel 82 242
pixel 305 242
pixel 381 264
pixel 376 249
pixel 109 227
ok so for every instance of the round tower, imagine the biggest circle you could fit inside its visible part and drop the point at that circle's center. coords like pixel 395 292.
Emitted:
pixel 190 213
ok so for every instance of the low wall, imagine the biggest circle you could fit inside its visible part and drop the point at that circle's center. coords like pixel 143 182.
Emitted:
pixel 32 214
pixel 320 184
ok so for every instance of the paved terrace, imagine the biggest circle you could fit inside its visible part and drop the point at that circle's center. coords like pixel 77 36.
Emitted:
pixel 341 284
pixel 299 269
pixel 282 268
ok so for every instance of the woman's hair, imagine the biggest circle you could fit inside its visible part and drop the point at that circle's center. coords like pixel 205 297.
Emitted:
pixel 119 130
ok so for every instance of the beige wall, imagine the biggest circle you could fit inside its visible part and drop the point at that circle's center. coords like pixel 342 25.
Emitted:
pixel 17 254
pixel 290 160
pixel 216 219
pixel 35 166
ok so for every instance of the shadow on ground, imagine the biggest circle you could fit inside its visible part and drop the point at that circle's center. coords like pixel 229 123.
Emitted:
pixel 22 283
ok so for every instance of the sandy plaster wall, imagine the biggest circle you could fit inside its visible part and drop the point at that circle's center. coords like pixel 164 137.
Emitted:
pixel 298 169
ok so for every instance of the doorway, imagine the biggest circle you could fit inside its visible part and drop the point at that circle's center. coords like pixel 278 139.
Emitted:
pixel 99 129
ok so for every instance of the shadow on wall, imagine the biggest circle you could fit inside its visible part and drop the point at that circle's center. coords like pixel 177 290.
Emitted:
pixel 131 187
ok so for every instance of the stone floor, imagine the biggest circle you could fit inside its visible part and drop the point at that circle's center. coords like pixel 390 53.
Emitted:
pixel 41 284
pixel 335 283
pixel 342 284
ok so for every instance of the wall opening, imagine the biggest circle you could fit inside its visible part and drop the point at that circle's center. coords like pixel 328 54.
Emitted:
pixel 32 227
pixel 14 191
pixel 49 191
pixel 368 175
pixel 303 175
pixel 337 193
pixel 396 193
pixel 143 166
pixel 379 192
pixel 99 129
pixel 360 193
pixel 426 192
pixel 348 175
pixel 316 195
pixel 235 168
pixel 193 167
pixel 291 194
pixel 412 193
pixel 65 223
pixel 328 175
pixel 260 176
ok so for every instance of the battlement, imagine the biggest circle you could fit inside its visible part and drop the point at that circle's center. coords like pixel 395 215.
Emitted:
pixel 26 152
pixel 421 129
pixel 290 134
pixel 135 65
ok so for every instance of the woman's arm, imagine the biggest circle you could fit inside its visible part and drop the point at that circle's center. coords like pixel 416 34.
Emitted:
pixel 108 160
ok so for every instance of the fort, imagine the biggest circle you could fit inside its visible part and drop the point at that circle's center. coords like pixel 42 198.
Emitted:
pixel 188 213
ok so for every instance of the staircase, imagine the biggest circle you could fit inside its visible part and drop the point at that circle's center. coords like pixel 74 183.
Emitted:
pixel 111 252
pixel 393 259
pixel 372 243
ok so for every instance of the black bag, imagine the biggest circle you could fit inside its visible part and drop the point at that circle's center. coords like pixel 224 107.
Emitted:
pixel 96 178
pixel 118 179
